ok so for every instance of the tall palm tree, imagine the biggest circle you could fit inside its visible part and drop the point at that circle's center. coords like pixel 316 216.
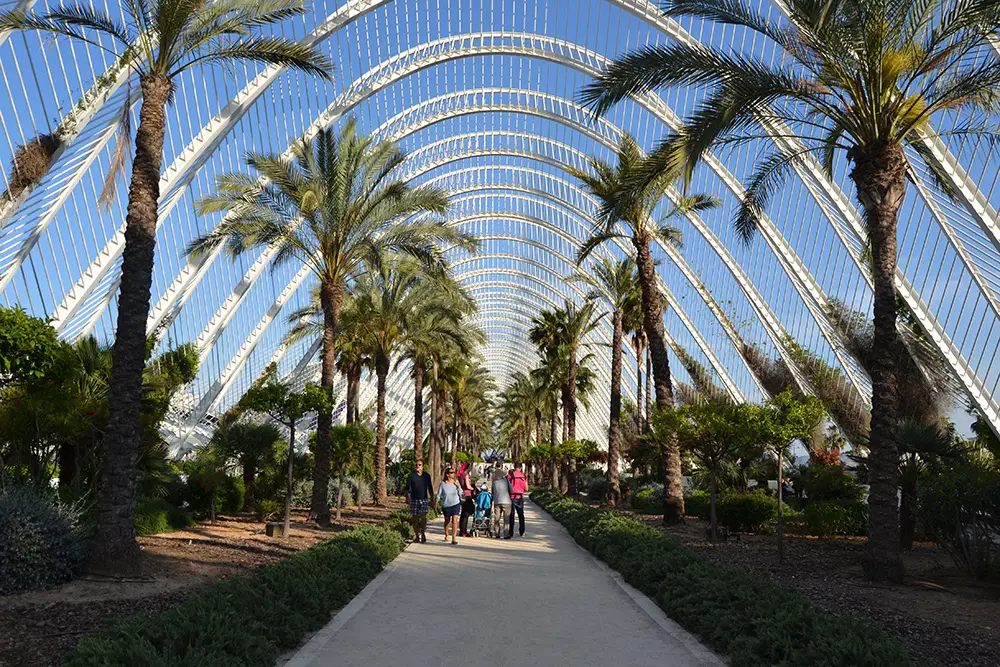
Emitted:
pixel 547 389
pixel 160 40
pixel 625 203
pixel 864 78
pixel 338 207
pixel 617 283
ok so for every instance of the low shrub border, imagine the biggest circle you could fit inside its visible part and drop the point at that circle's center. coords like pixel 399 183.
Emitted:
pixel 250 621
pixel 749 620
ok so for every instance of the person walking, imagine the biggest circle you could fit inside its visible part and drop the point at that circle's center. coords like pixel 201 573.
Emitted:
pixel 450 496
pixel 518 487
pixel 419 494
pixel 501 501
pixel 468 493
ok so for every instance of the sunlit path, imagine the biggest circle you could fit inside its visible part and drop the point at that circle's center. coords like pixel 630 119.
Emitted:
pixel 539 600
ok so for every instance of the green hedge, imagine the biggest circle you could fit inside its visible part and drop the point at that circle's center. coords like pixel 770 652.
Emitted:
pixel 155 515
pixel 249 621
pixel 747 619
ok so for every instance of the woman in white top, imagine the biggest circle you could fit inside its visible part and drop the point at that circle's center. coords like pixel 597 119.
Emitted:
pixel 450 496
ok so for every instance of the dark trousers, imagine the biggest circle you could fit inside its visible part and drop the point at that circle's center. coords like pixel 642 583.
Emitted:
pixel 468 509
pixel 517 507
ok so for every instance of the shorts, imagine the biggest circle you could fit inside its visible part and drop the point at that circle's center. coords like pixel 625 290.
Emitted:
pixel 418 507
pixel 454 510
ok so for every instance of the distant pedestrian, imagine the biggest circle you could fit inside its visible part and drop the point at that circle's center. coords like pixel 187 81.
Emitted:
pixel 450 496
pixel 468 502
pixel 518 487
pixel 501 501
pixel 419 494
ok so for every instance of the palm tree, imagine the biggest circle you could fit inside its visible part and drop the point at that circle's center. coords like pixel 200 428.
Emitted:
pixel 339 208
pixel 546 378
pixel 631 205
pixel 616 283
pixel 865 78
pixel 160 40
pixel 251 447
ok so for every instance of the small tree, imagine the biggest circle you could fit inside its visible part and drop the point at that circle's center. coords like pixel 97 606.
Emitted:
pixel 714 433
pixel 345 442
pixel 287 407
pixel 786 418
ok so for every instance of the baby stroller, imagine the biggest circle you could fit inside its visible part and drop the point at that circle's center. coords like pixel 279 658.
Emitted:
pixel 484 509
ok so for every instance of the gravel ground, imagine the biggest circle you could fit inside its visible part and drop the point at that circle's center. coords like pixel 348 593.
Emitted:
pixel 942 616
pixel 41 628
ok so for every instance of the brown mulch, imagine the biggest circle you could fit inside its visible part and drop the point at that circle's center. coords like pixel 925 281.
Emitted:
pixel 41 628
pixel 940 614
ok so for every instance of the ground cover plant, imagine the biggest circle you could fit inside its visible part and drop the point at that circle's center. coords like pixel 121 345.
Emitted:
pixel 250 620
pixel 750 621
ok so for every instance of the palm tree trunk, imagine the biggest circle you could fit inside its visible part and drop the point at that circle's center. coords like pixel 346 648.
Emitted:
pixel 352 395
pixel 249 497
pixel 614 428
pixel 354 407
pixel 418 409
pixel 639 402
pixel 455 429
pixel 648 412
pixel 437 434
pixel 553 444
pixel 652 316
pixel 538 426
pixel 340 492
pixel 381 373
pixel 880 176
pixel 331 299
pixel 114 549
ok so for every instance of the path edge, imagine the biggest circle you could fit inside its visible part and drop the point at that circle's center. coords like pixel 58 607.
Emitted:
pixel 306 654
pixel 701 652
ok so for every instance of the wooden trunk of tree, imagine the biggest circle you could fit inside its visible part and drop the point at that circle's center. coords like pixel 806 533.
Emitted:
pixel 331 299
pixel 652 315
pixel 538 426
pixel 781 505
pixel 381 373
pixel 639 401
pixel 352 395
pixel 114 550
pixel 554 456
pixel 713 521
pixel 340 493
pixel 648 410
pixel 436 428
pixel 614 427
pixel 290 478
pixel 418 409
pixel 249 496
pixel 879 174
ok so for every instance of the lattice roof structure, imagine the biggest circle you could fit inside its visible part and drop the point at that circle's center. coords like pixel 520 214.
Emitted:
pixel 481 93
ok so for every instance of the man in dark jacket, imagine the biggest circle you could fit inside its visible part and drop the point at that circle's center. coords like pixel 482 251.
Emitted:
pixel 419 495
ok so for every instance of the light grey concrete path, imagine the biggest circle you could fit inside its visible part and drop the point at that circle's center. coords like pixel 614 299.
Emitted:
pixel 537 600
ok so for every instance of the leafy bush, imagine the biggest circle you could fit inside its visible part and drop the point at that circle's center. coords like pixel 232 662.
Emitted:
pixel 830 482
pixel 750 620
pixel 155 515
pixel 826 518
pixel 302 493
pixel 750 512
pixel 269 510
pixel 249 621
pixel 42 542
pixel 205 484
pixel 960 509
pixel 649 500
pixel 698 504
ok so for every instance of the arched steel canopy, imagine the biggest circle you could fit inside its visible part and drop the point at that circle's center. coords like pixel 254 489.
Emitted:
pixel 480 92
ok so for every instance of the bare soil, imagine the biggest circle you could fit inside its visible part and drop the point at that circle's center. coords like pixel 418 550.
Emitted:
pixel 41 628
pixel 942 616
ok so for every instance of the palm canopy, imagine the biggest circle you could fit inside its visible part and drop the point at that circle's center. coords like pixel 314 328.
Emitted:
pixel 627 199
pixel 853 75
pixel 614 281
pixel 339 207
pixel 166 37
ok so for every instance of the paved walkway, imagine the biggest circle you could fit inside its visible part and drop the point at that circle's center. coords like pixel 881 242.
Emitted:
pixel 438 604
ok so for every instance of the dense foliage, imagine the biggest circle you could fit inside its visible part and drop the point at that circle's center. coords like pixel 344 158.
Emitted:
pixel 249 621
pixel 42 541
pixel 749 620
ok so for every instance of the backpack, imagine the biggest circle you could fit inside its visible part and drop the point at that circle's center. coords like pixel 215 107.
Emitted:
pixel 518 484
pixel 484 501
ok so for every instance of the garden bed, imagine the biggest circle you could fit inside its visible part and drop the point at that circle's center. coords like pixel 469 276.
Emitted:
pixel 41 628
pixel 746 618
pixel 941 615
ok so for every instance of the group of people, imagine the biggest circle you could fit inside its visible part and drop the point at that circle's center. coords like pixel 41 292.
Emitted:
pixel 456 494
